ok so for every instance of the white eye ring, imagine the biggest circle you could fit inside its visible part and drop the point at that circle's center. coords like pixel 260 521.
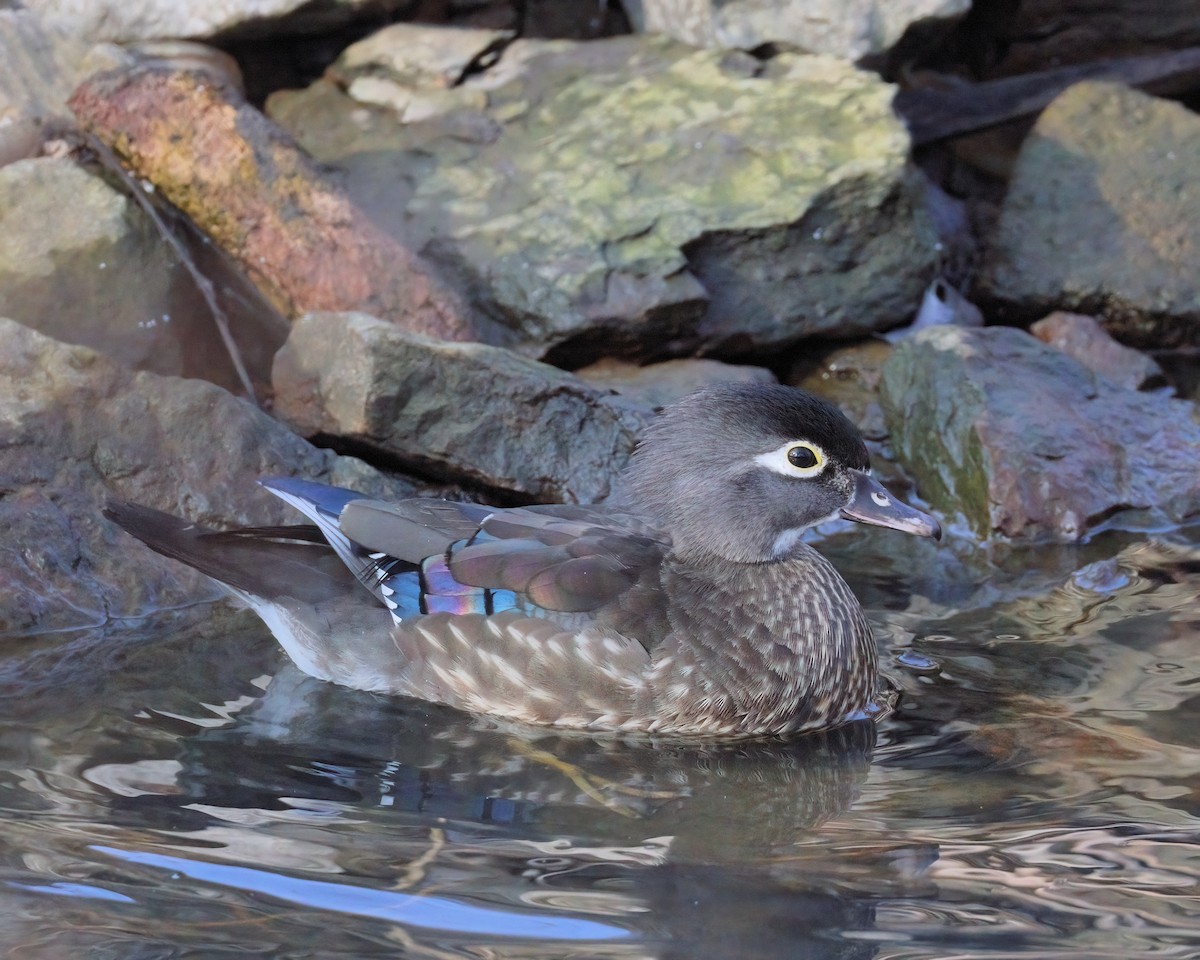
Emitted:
pixel 777 460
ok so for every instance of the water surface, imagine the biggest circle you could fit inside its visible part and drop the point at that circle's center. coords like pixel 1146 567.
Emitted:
pixel 172 788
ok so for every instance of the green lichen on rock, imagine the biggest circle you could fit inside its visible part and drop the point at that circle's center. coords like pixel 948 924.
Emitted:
pixel 659 198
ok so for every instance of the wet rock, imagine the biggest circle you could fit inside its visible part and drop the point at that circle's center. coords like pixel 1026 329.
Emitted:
pixel 639 198
pixel 1103 218
pixel 475 413
pixel 1022 440
pixel 657 384
pixel 1083 338
pixel 77 428
pixel 847 30
pixel 82 263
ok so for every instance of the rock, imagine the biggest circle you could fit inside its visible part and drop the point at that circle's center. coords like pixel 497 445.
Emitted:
pixel 1103 218
pixel 639 198
pixel 475 413
pixel 659 384
pixel 41 64
pixel 1022 440
pixel 262 200
pixel 847 30
pixel 416 70
pixel 121 22
pixel 415 55
pixel 941 304
pixel 1084 339
pixel 77 428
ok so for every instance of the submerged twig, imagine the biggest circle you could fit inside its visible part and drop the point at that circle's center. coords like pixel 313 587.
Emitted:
pixel 203 284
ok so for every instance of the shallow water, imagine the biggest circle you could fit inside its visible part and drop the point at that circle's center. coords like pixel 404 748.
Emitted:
pixel 171 788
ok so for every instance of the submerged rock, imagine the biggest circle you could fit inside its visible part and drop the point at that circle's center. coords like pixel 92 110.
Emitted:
pixel 1103 217
pixel 77 428
pixel 480 414
pixel 1024 441
pixel 640 198
pixel 79 262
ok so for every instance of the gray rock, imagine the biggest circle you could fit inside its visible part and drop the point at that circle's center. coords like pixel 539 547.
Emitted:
pixel 1022 440
pixel 77 428
pixel 466 411
pixel 657 384
pixel 41 64
pixel 1103 218
pixel 848 30
pixel 121 21
pixel 416 70
pixel 1083 338
pixel 640 198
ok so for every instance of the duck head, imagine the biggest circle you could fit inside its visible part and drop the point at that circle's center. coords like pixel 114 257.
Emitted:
pixel 738 472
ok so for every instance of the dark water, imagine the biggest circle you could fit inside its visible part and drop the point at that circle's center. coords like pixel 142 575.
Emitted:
pixel 172 789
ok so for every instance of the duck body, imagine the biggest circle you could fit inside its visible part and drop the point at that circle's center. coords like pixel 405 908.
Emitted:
pixel 693 609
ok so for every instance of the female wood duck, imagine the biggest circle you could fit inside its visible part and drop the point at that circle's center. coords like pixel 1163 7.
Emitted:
pixel 694 609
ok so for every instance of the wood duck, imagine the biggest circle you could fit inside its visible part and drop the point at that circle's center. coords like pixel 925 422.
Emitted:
pixel 694 608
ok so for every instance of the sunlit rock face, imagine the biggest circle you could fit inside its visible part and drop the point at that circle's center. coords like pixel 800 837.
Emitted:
pixel 638 197
pixel 1101 218
pixel 850 30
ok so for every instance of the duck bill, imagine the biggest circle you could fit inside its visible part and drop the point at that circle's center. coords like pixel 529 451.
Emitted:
pixel 871 503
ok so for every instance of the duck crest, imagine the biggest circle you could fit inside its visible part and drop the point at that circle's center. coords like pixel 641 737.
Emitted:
pixel 694 610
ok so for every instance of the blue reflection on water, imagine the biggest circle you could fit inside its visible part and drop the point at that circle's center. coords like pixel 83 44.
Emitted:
pixel 71 890
pixel 431 912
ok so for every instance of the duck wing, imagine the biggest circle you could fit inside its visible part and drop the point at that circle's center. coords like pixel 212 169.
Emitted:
pixel 424 555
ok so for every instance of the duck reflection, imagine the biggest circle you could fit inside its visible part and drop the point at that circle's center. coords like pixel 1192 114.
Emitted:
pixel 672 843
pixel 307 742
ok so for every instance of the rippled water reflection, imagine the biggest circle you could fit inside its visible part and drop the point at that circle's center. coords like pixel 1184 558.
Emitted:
pixel 171 789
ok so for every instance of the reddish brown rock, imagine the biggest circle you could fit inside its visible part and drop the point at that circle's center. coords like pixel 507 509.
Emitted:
pixel 1083 338
pixel 263 201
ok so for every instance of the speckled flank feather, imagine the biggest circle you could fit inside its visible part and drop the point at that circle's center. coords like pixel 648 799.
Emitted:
pixel 696 610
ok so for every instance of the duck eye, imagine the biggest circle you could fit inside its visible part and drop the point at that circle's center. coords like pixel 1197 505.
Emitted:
pixel 797 459
pixel 803 457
